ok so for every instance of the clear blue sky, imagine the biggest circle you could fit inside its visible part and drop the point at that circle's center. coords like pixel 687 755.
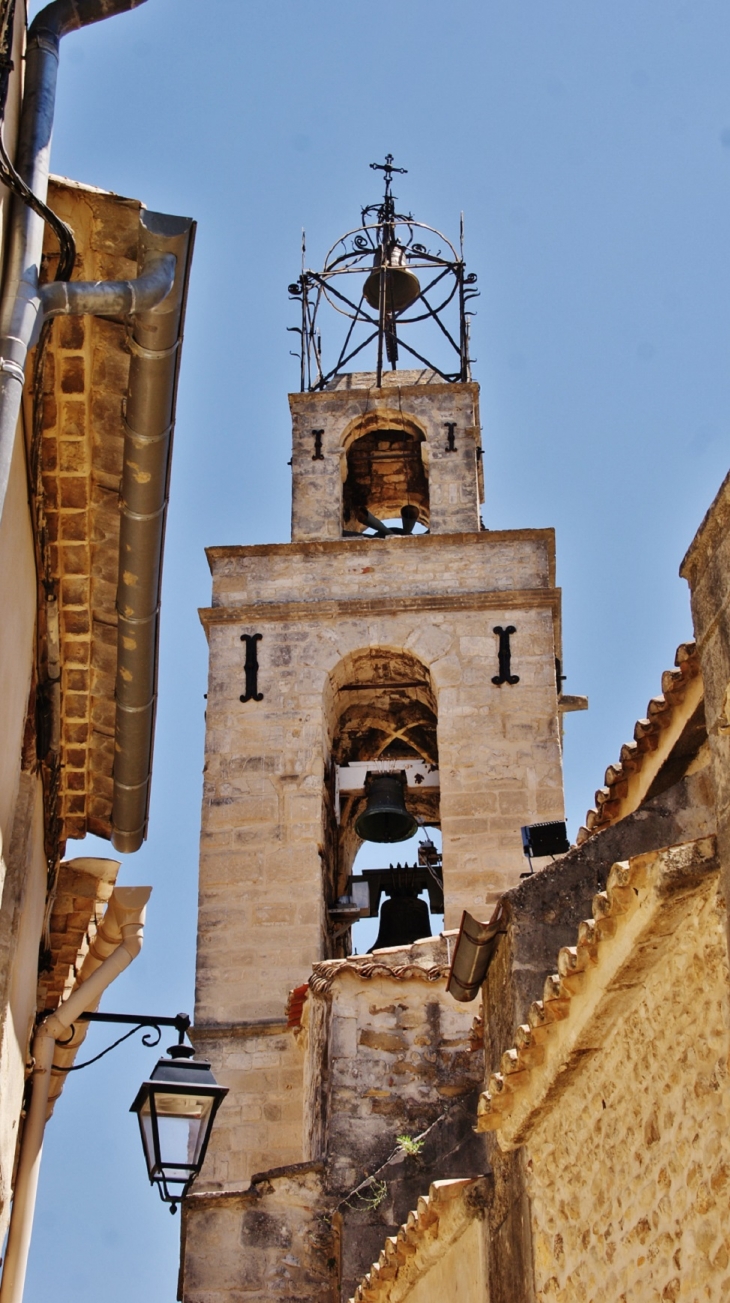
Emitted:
pixel 589 147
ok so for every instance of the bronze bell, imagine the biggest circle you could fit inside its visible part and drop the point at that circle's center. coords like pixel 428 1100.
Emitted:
pixel 385 817
pixel 402 287
pixel 403 918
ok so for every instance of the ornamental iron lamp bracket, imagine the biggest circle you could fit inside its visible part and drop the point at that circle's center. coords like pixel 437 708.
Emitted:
pixel 175 1108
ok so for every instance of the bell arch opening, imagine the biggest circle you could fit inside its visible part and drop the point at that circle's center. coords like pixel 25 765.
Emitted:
pixel 386 480
pixel 382 719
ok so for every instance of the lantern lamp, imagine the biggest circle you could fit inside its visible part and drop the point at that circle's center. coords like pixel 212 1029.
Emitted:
pixel 176 1109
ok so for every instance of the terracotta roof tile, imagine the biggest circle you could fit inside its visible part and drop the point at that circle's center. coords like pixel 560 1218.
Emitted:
pixel 613 800
pixel 624 915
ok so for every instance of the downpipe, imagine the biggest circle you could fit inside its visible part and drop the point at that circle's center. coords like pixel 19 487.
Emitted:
pixel 21 305
pixel 116 945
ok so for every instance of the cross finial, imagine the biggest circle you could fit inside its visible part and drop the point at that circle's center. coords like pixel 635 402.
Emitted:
pixel 387 210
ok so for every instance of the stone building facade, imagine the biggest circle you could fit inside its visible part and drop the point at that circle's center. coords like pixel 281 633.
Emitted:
pixel 382 1140
pixel 360 651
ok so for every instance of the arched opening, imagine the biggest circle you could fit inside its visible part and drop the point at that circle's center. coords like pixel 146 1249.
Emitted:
pixel 386 482
pixel 382 717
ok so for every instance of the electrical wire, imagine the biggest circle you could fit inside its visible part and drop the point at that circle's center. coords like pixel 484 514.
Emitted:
pixel 63 233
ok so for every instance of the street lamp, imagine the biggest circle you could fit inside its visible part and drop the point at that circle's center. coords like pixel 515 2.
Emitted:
pixel 176 1109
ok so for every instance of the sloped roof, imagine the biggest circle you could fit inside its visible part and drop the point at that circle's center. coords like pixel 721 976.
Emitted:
pixel 633 921
pixel 628 781
pixel 441 1217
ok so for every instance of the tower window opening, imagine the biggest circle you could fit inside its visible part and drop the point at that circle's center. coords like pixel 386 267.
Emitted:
pixel 386 488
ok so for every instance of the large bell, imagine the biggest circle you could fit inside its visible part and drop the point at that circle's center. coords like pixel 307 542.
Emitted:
pixel 403 919
pixel 402 287
pixel 385 817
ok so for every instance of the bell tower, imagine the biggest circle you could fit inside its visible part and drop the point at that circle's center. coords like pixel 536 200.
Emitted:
pixel 394 638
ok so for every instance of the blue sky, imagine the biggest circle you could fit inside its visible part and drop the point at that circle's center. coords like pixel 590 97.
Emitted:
pixel 588 145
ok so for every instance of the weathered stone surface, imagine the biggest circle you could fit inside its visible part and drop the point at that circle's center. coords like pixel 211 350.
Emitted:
pixel 270 1244
pixel 445 486
pixel 84 380
pixel 629 1171
pixel 706 567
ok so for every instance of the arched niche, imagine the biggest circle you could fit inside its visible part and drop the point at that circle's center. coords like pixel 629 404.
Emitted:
pixel 385 469
pixel 380 705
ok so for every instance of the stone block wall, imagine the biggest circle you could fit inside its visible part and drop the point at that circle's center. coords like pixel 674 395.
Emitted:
pixel 342 415
pixel 629 1174
pixel 259 1124
pixel 706 567
pixel 389 1054
pixel 269 1244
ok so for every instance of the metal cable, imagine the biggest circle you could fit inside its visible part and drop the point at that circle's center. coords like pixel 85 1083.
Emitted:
pixel 8 174
pixel 63 233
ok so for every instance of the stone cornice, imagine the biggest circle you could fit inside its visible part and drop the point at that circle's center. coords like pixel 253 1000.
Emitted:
pixel 324 547
pixel 502 599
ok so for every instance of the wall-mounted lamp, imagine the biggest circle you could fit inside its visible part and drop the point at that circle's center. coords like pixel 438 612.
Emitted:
pixel 176 1109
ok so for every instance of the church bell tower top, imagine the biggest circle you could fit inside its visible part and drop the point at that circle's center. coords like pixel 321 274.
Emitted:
pixel 383 277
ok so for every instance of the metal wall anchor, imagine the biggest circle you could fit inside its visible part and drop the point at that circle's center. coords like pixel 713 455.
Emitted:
pixel 505 656
pixel 251 668
pixel 450 426
pixel 317 455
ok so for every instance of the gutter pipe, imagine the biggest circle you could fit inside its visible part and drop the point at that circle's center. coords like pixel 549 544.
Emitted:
pixel 20 304
pixel 155 341
pixel 117 943
pixel 155 302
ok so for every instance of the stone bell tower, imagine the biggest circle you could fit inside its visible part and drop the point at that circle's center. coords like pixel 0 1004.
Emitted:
pixel 394 633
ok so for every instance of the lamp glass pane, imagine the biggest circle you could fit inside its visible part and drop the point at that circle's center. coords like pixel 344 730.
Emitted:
pixel 182 1123
pixel 146 1126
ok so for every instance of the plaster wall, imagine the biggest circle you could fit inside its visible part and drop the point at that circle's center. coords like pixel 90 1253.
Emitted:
pixel 17 631
pixel 21 922
pixel 629 1171
pixel 22 860
pixel 458 1275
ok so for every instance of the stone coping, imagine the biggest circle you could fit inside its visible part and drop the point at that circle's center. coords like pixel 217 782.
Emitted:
pixel 334 608
pixel 634 921
pixel 441 1217
pixel 627 782
pixel 326 547
pixel 713 528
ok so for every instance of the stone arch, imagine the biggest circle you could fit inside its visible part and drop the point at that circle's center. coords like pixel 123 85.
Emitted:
pixel 384 469
pixel 380 704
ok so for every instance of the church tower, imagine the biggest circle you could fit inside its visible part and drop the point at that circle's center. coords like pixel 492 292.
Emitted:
pixel 395 637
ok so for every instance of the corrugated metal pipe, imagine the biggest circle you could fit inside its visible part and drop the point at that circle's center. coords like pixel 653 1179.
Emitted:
pixel 118 942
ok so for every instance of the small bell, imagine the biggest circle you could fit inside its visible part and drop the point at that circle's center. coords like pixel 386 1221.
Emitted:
pixel 403 917
pixel 385 817
pixel 402 287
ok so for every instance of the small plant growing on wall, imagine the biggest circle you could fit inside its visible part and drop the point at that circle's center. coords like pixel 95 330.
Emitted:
pixel 411 1145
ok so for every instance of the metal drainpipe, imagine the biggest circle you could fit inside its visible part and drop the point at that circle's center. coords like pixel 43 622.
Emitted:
pixel 155 303
pixel 155 342
pixel 20 302
pixel 118 942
